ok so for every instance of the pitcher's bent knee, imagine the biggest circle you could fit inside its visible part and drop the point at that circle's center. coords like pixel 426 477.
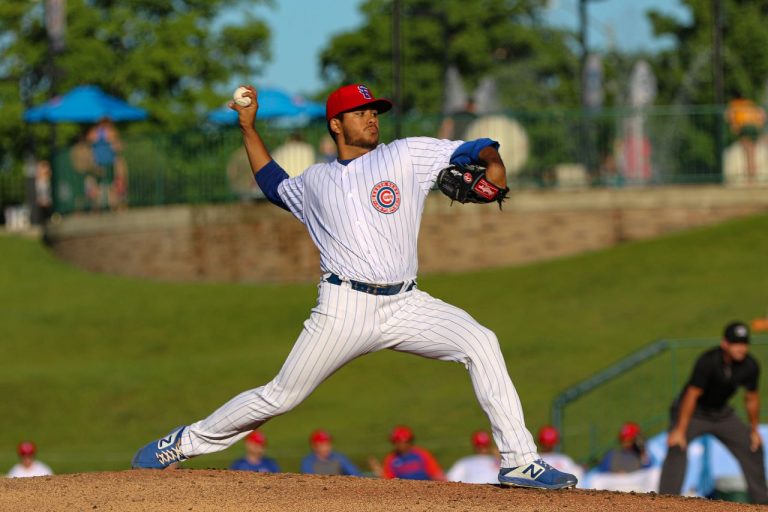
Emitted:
pixel 275 400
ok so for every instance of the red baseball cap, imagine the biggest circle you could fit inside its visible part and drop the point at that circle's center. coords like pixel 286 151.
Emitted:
pixel 481 438
pixel 401 433
pixel 256 437
pixel 629 431
pixel 320 436
pixel 26 448
pixel 548 436
pixel 350 97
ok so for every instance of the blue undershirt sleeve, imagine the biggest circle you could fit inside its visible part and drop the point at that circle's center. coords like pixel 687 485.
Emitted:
pixel 469 152
pixel 269 178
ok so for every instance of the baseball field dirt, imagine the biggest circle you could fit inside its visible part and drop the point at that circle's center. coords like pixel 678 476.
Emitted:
pixel 202 490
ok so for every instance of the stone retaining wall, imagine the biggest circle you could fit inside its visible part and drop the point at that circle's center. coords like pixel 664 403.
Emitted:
pixel 259 242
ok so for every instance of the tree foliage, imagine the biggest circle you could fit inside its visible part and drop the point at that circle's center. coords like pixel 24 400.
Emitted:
pixel 534 64
pixel 685 74
pixel 687 66
pixel 167 56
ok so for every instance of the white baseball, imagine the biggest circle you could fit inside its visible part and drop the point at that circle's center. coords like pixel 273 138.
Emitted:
pixel 241 100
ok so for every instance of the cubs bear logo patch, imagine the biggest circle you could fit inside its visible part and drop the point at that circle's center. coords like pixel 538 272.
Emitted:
pixel 385 197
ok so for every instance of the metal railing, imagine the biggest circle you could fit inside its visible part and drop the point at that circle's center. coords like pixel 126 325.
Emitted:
pixel 608 148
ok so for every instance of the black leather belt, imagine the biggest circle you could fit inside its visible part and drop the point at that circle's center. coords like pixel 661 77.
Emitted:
pixel 373 289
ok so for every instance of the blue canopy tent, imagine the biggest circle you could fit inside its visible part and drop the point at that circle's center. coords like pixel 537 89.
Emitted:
pixel 84 104
pixel 274 104
pixel 313 109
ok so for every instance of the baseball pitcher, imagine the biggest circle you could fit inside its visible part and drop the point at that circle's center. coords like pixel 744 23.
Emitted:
pixel 363 212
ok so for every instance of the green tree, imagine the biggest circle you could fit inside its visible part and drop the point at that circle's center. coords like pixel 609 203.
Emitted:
pixel 167 56
pixel 503 38
pixel 685 76
pixel 687 70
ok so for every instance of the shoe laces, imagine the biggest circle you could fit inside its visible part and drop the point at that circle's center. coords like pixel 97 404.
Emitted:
pixel 171 454
pixel 542 462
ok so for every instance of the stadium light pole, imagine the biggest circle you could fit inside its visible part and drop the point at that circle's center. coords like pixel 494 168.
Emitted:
pixel 583 22
pixel 584 43
pixel 585 128
pixel 397 67
pixel 55 22
pixel 717 79
pixel 717 52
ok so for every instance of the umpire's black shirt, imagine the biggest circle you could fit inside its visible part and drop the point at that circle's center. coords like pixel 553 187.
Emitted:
pixel 719 379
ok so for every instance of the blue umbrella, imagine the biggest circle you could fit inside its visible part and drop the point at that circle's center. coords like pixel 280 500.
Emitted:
pixel 223 115
pixel 313 109
pixel 273 104
pixel 84 104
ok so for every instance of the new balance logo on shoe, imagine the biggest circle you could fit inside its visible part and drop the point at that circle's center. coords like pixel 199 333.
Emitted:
pixel 165 442
pixel 534 470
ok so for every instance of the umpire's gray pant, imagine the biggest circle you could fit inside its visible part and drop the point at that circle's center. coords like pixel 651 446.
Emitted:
pixel 730 431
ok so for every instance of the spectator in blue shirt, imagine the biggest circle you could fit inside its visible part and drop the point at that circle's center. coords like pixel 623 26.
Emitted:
pixel 323 460
pixel 254 459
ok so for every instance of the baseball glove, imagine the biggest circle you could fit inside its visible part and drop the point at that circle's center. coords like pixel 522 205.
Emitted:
pixel 468 184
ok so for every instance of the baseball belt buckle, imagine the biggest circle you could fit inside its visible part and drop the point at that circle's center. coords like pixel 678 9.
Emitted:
pixel 377 289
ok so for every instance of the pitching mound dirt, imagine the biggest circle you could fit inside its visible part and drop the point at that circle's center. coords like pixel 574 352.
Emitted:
pixel 184 490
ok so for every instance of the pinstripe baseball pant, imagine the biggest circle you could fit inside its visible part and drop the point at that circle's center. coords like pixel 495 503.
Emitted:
pixel 346 324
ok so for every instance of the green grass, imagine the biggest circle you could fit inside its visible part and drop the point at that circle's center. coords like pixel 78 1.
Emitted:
pixel 93 366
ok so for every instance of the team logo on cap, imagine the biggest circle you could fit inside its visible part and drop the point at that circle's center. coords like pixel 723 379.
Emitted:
pixel 365 92
pixel 385 197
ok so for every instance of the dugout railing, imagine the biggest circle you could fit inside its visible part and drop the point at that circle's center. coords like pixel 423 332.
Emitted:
pixel 639 387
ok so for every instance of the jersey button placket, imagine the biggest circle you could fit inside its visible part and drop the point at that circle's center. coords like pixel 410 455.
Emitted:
pixel 351 197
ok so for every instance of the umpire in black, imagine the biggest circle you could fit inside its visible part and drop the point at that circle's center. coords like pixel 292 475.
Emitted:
pixel 702 408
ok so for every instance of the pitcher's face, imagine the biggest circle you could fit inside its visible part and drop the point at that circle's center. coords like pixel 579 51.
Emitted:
pixel 361 128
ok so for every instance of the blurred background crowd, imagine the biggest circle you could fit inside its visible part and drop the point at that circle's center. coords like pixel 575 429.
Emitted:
pixel 106 106
pixel 407 460
pixel 633 464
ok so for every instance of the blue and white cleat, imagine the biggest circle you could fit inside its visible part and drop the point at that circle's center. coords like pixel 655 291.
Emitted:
pixel 538 475
pixel 161 453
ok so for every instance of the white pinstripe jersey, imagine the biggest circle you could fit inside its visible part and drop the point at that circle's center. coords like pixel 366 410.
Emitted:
pixel 364 217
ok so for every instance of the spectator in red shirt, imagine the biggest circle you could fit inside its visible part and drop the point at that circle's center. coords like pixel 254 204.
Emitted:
pixel 407 461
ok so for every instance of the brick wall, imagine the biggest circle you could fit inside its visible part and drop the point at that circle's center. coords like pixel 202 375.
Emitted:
pixel 259 242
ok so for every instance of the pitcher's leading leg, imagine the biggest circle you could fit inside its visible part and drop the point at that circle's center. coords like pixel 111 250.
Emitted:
pixel 432 328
